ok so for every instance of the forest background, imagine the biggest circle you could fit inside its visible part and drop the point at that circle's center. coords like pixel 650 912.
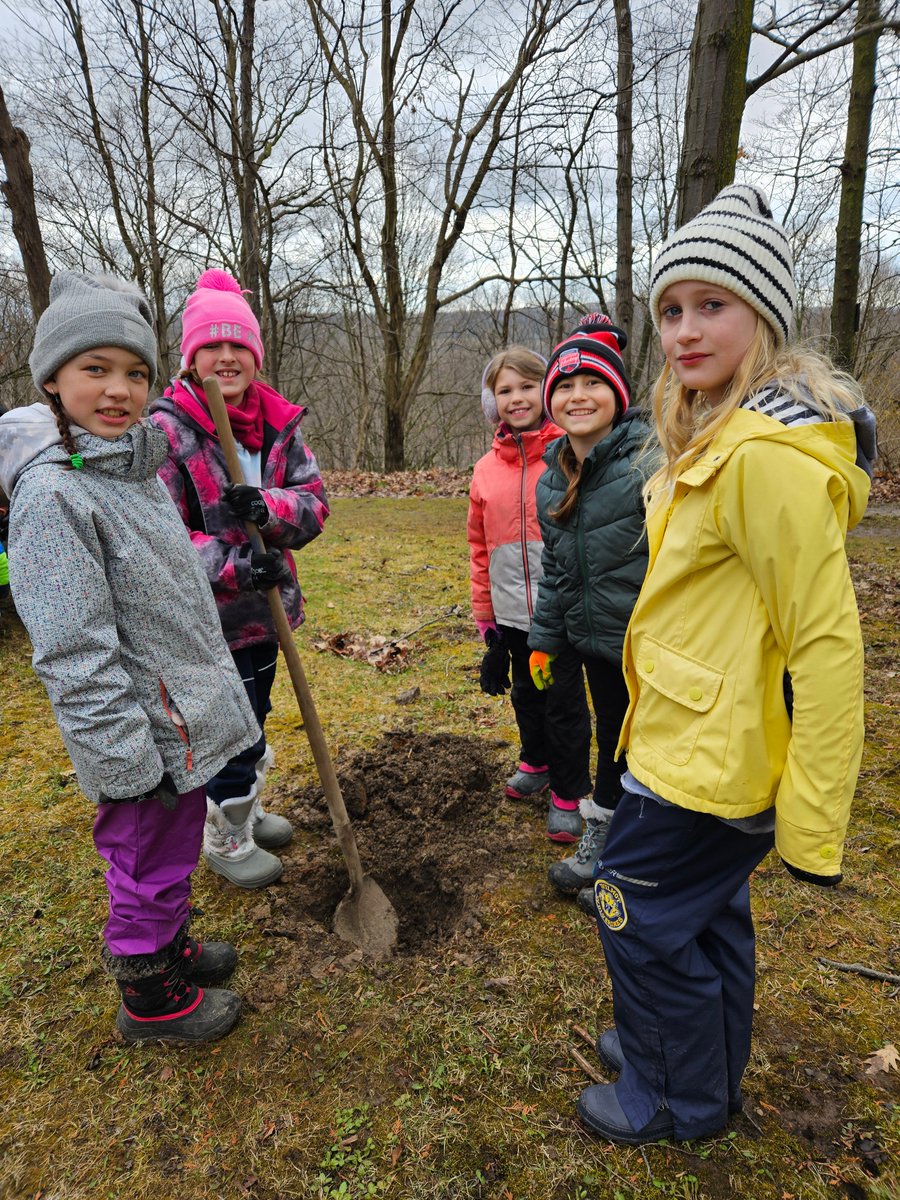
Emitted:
pixel 405 187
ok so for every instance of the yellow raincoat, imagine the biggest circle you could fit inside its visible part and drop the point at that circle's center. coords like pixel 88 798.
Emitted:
pixel 748 577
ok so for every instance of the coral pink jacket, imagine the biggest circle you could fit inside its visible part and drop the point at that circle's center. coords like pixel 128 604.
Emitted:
pixel 504 535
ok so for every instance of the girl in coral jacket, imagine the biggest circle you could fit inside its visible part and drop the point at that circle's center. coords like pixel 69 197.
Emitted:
pixel 744 664
pixel 284 496
pixel 505 567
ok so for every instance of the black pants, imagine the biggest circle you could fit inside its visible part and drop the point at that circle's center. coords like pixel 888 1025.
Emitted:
pixel 609 696
pixel 555 724
pixel 256 665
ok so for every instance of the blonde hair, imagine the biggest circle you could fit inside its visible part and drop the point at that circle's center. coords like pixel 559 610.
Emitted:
pixel 518 358
pixel 686 424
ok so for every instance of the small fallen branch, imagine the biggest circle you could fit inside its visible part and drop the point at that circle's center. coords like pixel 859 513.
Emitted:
pixel 859 969
pixel 586 1066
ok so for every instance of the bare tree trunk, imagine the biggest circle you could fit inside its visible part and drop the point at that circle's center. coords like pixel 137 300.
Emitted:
pixel 18 192
pixel 250 245
pixel 624 165
pixel 393 314
pixel 717 90
pixel 157 287
pixel 848 242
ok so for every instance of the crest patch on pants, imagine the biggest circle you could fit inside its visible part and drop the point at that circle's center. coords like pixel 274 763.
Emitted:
pixel 610 905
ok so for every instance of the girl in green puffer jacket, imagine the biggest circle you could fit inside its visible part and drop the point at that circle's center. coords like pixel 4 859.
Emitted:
pixel 595 553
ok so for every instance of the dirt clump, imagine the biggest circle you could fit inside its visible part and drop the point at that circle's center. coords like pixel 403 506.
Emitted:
pixel 433 831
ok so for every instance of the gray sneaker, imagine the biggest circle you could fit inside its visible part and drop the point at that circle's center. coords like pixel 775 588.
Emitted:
pixel 563 824
pixel 575 872
pixel 525 784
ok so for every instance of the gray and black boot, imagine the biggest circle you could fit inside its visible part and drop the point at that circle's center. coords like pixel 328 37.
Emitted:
pixel 577 871
pixel 160 1005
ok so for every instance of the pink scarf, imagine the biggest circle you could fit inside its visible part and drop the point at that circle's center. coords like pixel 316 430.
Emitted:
pixel 246 422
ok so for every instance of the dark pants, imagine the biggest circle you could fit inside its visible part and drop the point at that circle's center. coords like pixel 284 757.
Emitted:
pixel 676 929
pixel 609 696
pixel 151 852
pixel 554 724
pixel 256 665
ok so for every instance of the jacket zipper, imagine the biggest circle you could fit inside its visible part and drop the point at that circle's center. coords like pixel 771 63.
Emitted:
pixel 582 563
pixel 178 721
pixel 523 530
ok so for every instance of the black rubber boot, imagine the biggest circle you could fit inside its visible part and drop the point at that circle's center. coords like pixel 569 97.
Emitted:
pixel 160 1004
pixel 206 963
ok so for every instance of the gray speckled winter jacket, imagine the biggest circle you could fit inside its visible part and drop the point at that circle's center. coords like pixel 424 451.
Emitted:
pixel 126 636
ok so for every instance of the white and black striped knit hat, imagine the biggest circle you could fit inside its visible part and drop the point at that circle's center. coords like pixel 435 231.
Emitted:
pixel 594 347
pixel 733 242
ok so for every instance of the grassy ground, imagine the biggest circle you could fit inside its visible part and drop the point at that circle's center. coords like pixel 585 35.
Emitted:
pixel 443 1073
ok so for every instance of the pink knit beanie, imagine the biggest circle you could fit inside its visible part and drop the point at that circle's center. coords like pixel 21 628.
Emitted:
pixel 218 312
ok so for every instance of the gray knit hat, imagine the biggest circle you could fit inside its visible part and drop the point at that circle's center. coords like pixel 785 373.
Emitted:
pixel 87 311
pixel 733 242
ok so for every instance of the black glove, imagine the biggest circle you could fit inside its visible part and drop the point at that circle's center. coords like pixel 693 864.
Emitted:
pixel 494 677
pixel 165 792
pixel 246 503
pixel 807 877
pixel 268 570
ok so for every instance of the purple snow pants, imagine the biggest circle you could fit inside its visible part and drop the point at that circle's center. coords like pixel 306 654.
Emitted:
pixel 151 854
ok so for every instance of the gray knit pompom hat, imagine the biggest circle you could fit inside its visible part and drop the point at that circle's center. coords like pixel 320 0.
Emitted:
pixel 87 311
pixel 736 243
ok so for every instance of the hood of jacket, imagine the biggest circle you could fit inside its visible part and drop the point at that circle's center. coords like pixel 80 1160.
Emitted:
pixel 29 438
pixel 833 443
pixel 534 442
pixel 624 439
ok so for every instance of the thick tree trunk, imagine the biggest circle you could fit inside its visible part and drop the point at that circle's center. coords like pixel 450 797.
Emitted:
pixel 18 192
pixel 624 159
pixel 848 242
pixel 717 89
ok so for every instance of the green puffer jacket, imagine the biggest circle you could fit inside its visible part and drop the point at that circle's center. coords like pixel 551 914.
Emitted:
pixel 594 564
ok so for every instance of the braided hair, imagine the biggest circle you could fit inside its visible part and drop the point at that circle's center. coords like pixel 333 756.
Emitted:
pixel 65 429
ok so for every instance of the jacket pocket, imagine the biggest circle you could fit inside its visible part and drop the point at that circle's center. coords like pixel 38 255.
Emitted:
pixel 677 694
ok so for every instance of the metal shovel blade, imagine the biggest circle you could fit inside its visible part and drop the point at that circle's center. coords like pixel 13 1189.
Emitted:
pixel 367 918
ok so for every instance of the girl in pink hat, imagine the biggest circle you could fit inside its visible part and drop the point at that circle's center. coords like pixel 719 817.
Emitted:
pixel 284 496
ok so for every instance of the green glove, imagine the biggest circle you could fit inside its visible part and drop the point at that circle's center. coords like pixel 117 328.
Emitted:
pixel 539 666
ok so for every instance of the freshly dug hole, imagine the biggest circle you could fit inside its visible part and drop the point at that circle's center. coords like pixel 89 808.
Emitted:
pixel 433 828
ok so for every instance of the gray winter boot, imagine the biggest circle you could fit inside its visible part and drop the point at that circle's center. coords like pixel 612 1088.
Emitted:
pixel 525 784
pixel 229 848
pixel 577 871
pixel 269 830
pixel 563 820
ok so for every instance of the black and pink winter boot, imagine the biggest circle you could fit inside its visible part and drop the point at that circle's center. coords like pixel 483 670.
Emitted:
pixel 160 1004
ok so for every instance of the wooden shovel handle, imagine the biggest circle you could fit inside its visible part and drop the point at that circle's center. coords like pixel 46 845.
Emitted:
pixel 318 745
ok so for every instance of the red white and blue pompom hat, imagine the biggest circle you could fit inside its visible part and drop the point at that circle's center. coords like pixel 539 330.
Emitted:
pixel 595 347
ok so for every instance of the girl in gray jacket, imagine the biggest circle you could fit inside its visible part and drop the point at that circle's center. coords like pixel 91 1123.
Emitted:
pixel 127 643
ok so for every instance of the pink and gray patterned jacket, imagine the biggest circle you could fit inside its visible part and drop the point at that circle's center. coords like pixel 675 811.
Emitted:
pixel 195 475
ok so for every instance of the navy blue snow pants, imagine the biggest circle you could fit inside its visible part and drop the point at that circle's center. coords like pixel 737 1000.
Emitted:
pixel 674 902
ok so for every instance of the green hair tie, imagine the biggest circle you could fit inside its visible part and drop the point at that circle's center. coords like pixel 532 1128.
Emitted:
pixel 77 461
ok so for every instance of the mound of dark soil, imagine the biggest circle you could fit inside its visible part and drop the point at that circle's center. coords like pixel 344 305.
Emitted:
pixel 433 831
